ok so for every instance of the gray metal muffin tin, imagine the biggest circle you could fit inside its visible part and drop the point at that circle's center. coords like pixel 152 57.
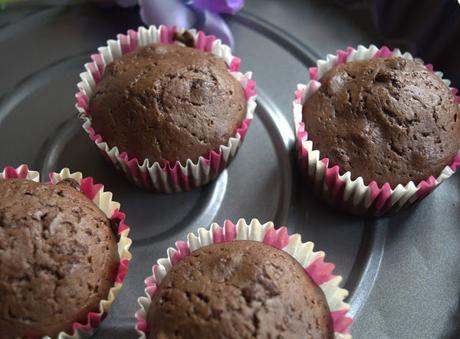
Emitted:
pixel 402 272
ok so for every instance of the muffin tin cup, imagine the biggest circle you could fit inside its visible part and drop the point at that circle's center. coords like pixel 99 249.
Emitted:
pixel 313 263
pixel 170 176
pixel 103 199
pixel 340 189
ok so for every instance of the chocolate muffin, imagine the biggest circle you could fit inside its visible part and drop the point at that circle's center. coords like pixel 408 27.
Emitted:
pixel 58 258
pixel 239 289
pixel 167 103
pixel 385 119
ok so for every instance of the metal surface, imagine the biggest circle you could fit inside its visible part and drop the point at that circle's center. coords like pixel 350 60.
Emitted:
pixel 402 272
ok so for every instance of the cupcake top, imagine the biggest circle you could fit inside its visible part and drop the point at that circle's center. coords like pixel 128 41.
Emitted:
pixel 238 289
pixel 385 119
pixel 167 103
pixel 58 258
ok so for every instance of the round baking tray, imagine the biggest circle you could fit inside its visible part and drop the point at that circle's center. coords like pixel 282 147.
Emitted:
pixel 46 49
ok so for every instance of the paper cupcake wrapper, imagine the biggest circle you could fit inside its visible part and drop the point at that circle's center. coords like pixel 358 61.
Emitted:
pixel 340 189
pixel 103 199
pixel 170 176
pixel 313 263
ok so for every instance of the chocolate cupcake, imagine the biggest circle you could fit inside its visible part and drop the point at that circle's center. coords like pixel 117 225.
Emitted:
pixel 239 289
pixel 385 119
pixel 58 258
pixel 249 288
pixel 170 116
pixel 167 103
pixel 381 123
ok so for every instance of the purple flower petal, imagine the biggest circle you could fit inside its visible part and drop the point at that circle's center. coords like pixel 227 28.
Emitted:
pixel 219 6
pixel 213 24
pixel 176 13
pixel 166 12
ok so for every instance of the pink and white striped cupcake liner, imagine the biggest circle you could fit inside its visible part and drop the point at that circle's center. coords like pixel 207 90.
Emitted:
pixel 313 263
pixel 170 176
pixel 339 189
pixel 103 199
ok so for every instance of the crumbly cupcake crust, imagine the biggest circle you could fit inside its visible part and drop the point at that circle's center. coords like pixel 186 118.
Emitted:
pixel 238 289
pixel 58 257
pixel 167 103
pixel 385 119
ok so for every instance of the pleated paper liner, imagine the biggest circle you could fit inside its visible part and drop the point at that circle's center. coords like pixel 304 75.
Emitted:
pixel 170 176
pixel 103 199
pixel 341 190
pixel 313 263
